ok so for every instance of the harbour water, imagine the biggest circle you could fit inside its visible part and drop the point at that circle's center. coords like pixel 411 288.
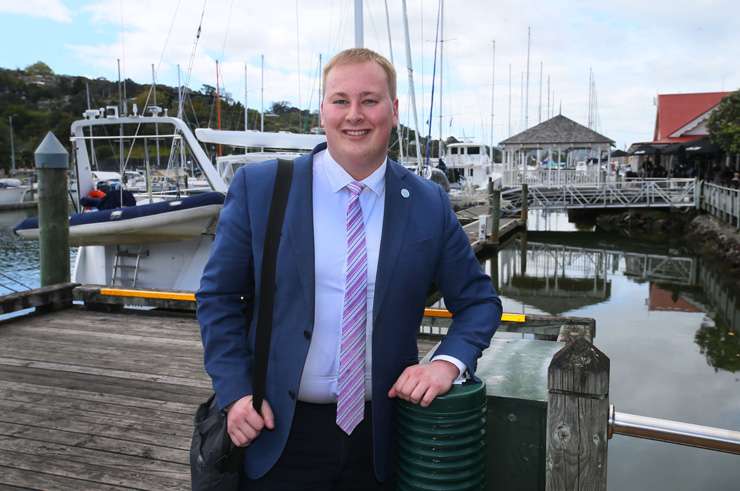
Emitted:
pixel 666 319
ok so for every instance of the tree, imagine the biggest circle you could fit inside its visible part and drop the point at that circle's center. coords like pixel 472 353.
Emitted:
pixel 281 107
pixel 724 124
pixel 39 68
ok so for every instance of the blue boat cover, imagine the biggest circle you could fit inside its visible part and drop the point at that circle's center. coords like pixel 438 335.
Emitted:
pixel 129 212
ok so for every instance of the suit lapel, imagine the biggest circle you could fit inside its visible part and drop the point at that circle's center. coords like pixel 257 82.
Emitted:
pixel 395 217
pixel 299 220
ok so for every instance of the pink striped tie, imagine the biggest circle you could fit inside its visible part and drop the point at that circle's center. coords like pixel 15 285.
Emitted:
pixel 351 380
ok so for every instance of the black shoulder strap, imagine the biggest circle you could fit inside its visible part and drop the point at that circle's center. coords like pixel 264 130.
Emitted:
pixel 267 292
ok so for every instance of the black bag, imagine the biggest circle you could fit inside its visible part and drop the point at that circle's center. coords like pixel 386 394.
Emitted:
pixel 215 462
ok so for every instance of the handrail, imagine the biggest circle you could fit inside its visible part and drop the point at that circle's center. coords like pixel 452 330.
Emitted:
pixel 676 432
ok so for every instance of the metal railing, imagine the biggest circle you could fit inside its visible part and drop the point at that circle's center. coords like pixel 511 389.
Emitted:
pixel 627 193
pixel 513 177
pixel 721 202
pixel 676 432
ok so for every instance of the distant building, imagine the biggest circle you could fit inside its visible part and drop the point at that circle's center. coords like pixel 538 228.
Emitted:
pixel 556 144
pixel 683 117
pixel 680 142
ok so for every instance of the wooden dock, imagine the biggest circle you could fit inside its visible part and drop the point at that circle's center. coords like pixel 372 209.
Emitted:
pixel 93 400
pixel 97 400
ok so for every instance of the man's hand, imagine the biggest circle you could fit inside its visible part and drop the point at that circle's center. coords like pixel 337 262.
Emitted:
pixel 244 423
pixel 422 383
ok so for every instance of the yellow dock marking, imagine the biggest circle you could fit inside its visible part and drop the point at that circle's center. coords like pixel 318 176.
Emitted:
pixel 117 292
pixel 190 297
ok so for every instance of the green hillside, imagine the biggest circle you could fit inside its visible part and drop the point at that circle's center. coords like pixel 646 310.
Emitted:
pixel 38 100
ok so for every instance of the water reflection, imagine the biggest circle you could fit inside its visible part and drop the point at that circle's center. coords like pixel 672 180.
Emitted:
pixel 19 259
pixel 560 276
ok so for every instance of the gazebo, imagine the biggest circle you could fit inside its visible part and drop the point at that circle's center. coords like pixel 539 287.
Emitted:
pixel 556 144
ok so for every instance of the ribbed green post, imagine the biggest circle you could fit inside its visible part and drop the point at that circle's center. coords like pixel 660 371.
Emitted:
pixel 443 447
pixel 52 161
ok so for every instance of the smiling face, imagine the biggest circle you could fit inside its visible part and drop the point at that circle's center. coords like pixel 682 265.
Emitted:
pixel 358 114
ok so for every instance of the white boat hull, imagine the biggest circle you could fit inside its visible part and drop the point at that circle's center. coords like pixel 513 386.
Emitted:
pixel 171 226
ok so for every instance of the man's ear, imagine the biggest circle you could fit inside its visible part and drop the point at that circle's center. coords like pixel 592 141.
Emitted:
pixel 395 112
pixel 321 114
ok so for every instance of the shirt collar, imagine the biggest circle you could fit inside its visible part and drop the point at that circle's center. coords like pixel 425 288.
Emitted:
pixel 339 178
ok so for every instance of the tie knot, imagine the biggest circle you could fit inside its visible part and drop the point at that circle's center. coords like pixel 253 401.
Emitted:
pixel 355 188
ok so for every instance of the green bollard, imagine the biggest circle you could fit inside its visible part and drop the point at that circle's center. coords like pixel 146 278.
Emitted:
pixel 52 161
pixel 443 447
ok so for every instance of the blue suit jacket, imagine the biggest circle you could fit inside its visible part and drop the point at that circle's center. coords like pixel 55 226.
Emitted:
pixel 422 245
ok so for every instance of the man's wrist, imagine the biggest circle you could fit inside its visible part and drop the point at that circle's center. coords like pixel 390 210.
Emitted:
pixel 461 374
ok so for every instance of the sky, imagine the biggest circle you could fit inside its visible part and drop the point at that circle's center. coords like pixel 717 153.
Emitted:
pixel 635 49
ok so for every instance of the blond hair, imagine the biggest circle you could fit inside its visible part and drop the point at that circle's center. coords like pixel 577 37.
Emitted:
pixel 361 55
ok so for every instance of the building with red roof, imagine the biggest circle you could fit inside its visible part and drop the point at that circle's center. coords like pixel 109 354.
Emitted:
pixel 681 146
pixel 683 117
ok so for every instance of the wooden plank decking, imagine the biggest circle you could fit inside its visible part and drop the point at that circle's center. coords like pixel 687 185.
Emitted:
pixel 98 401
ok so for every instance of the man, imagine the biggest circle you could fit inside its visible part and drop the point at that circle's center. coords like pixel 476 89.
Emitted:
pixel 363 243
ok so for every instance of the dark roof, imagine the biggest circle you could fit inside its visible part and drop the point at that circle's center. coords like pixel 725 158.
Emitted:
pixel 644 149
pixel 619 153
pixel 557 130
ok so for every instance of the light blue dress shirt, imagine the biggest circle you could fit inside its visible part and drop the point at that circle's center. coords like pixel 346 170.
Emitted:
pixel 330 198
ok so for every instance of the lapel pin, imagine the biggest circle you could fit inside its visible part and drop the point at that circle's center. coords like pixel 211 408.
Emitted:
pixel 405 193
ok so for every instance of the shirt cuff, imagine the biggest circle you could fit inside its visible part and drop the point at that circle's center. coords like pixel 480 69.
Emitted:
pixel 463 375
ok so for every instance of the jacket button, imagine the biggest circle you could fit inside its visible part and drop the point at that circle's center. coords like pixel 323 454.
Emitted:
pixel 291 394
pixel 307 334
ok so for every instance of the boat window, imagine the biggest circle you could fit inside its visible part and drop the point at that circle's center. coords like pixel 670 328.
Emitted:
pixel 473 150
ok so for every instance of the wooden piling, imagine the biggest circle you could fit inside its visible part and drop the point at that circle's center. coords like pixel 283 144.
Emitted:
pixel 577 414
pixel 525 203
pixel 52 161
pixel 495 211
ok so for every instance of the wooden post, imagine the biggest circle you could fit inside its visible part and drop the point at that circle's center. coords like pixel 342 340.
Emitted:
pixel 577 414
pixel 494 211
pixel 525 203
pixel 52 161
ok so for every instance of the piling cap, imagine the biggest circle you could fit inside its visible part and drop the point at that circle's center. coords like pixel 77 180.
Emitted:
pixel 460 399
pixel 50 154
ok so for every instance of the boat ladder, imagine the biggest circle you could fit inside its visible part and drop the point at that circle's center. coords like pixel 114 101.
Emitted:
pixel 119 264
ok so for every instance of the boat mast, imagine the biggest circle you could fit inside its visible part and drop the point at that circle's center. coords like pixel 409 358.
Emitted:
pixel 120 127
pixel 179 94
pixel 262 93
pixel 246 110
pixel 410 68
pixel 526 103
pixel 92 140
pixel 548 97
pixel 359 25
pixel 539 110
pixel 298 62
pixel 390 50
pixel 246 107
pixel 509 99
pixel 12 146
pixel 218 110
pixel 441 70
pixel 493 85
pixel 156 125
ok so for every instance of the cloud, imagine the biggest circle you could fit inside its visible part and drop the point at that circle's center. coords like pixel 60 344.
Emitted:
pixel 635 49
pixel 47 9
